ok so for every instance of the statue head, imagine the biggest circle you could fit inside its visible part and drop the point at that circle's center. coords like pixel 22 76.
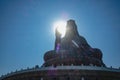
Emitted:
pixel 71 29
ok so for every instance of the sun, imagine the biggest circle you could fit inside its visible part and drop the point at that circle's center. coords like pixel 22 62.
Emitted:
pixel 61 27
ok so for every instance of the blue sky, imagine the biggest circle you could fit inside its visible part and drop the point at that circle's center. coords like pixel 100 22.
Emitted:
pixel 26 29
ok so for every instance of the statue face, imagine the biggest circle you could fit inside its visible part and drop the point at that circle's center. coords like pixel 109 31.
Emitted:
pixel 71 28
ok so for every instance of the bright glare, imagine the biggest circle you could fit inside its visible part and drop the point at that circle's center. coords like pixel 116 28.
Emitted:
pixel 61 27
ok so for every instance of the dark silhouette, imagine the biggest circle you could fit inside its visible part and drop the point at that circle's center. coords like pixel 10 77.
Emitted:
pixel 73 49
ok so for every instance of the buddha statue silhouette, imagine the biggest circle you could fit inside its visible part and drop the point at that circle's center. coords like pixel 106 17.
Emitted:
pixel 72 49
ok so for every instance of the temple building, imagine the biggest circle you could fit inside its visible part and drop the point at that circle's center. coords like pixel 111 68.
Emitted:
pixel 71 59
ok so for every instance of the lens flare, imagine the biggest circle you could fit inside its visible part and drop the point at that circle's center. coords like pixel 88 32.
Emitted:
pixel 61 27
